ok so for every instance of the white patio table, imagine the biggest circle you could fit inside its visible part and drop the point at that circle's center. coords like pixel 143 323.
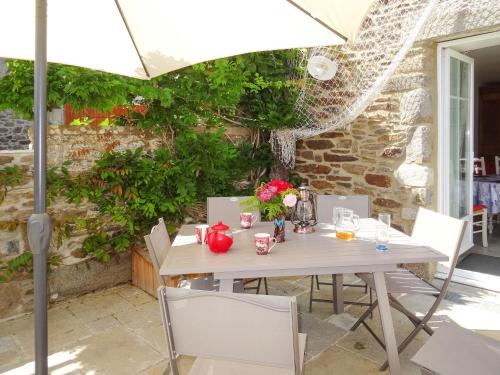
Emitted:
pixel 318 253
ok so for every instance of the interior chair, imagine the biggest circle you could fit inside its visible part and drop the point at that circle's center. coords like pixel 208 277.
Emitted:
pixel 158 244
pixel 227 210
pixel 360 204
pixel 453 350
pixel 479 166
pixel 440 232
pixel 229 333
pixel 480 221
pixel 497 165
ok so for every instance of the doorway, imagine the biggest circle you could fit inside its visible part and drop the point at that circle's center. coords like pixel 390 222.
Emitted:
pixel 469 127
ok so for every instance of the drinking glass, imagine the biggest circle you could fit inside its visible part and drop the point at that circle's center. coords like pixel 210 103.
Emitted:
pixel 382 232
pixel 338 214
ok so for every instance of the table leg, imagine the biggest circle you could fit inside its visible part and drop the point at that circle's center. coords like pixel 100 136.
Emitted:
pixel 338 294
pixel 387 325
pixel 226 285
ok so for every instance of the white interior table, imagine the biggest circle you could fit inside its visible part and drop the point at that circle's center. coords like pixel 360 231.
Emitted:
pixel 318 253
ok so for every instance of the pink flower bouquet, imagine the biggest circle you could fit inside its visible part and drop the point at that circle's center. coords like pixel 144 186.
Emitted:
pixel 273 199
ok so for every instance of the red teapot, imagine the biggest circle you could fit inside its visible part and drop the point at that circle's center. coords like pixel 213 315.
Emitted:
pixel 219 239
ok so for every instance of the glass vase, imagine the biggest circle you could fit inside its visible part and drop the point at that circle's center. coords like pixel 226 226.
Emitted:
pixel 279 229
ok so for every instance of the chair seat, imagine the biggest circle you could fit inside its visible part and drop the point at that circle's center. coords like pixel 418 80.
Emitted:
pixel 401 281
pixel 472 353
pixel 208 283
pixel 203 366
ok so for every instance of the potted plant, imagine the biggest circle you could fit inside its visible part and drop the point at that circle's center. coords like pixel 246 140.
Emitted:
pixel 273 200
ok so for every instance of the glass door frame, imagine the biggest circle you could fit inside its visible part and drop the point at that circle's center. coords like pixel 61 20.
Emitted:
pixel 446 53
pixel 468 43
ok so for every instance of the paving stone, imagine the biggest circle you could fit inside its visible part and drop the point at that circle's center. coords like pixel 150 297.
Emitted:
pixel 103 324
pixel 10 351
pixel 94 306
pixel 115 351
pixel 336 360
pixel 283 287
pixel 320 335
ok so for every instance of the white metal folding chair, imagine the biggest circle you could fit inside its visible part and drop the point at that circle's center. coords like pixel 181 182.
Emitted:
pixel 480 221
pixel 158 244
pixel 440 232
pixel 242 334
pixel 454 350
pixel 228 209
pixel 479 166
pixel 497 165
pixel 360 204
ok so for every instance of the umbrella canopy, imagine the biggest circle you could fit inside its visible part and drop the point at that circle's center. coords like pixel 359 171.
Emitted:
pixel 144 39
pixel 147 38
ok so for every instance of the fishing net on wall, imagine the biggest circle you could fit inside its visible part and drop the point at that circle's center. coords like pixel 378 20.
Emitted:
pixel 361 69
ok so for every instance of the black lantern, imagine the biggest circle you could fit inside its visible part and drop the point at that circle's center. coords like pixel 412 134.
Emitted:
pixel 304 214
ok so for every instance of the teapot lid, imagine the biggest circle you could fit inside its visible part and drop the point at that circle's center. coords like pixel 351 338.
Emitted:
pixel 220 226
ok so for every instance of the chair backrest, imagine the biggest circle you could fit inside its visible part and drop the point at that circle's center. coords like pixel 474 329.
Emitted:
pixel 227 209
pixel 255 329
pixel 158 244
pixel 497 164
pixel 360 204
pixel 479 166
pixel 442 233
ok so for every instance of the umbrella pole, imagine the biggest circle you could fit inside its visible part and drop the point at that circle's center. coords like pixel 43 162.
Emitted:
pixel 39 227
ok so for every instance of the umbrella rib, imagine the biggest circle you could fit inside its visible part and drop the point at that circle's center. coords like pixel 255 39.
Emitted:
pixel 317 19
pixel 132 38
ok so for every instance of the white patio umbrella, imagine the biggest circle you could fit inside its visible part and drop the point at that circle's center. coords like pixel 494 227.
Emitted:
pixel 144 39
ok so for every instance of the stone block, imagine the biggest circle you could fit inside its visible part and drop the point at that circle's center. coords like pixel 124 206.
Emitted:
pixel 334 158
pixel 309 155
pixel 409 213
pixel 356 169
pixel 420 147
pixel 405 82
pixel 319 144
pixel 422 196
pixel 90 275
pixel 415 105
pixel 16 297
pixel 338 178
pixel 414 175
pixel 392 152
pixel 313 168
pixel 322 185
pixel 387 203
pixel 332 135
pixel 344 143
pixel 4 159
pixel 378 180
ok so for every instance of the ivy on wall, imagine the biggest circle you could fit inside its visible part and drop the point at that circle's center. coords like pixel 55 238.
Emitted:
pixel 132 189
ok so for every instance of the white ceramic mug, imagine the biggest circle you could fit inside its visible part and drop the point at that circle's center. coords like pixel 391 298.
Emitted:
pixel 263 243
pixel 247 219
pixel 201 233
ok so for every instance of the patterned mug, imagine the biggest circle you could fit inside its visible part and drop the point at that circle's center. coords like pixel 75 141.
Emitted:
pixel 247 219
pixel 263 243
pixel 201 233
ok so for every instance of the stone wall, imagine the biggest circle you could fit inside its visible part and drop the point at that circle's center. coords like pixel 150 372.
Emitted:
pixel 13 129
pixel 387 152
pixel 75 275
pixel 13 132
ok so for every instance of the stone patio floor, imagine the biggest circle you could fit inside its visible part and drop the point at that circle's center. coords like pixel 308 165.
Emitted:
pixel 119 331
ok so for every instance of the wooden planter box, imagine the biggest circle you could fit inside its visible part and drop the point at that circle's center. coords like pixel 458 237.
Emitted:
pixel 143 272
pixel 144 275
